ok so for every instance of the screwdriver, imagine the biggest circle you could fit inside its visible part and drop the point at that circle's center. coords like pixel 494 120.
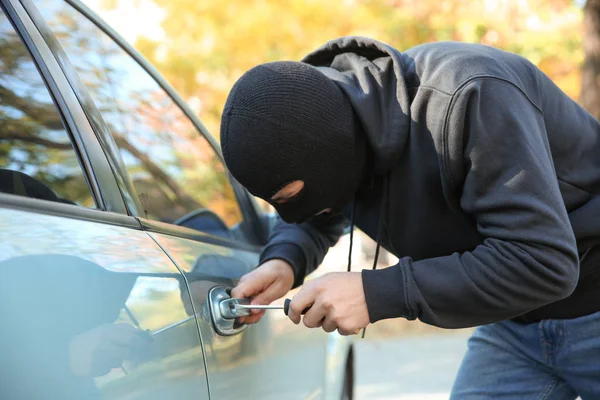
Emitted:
pixel 285 307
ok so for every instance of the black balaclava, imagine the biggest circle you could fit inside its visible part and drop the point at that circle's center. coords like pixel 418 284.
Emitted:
pixel 286 121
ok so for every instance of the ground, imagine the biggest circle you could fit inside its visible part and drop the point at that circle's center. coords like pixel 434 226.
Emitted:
pixel 408 368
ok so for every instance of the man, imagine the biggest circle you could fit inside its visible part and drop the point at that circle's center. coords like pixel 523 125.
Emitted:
pixel 464 161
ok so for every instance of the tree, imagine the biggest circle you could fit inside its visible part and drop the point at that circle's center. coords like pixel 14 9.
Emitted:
pixel 590 72
pixel 207 45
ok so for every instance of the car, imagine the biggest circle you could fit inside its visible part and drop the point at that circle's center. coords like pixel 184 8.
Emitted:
pixel 122 234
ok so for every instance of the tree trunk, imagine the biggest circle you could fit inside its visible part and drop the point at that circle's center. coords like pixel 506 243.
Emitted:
pixel 590 74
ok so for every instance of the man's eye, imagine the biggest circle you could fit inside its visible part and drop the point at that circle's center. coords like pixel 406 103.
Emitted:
pixel 283 200
pixel 290 200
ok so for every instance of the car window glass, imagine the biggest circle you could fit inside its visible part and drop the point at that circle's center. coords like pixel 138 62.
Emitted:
pixel 174 169
pixel 37 158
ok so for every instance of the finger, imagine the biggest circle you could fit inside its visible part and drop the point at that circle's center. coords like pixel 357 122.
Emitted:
pixel 251 284
pixel 304 299
pixel 347 332
pixel 254 318
pixel 315 316
pixel 329 325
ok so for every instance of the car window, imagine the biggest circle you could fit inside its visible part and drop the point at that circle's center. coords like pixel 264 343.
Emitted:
pixel 174 169
pixel 37 158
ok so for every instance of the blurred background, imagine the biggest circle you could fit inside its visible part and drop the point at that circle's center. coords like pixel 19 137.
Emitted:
pixel 203 47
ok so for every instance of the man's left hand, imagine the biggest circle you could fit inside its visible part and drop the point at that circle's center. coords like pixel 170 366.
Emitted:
pixel 337 301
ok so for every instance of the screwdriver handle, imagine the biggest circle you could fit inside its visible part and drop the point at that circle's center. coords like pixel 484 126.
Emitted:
pixel 286 307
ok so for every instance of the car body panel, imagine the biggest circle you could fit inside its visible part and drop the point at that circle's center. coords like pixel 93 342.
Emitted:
pixel 67 284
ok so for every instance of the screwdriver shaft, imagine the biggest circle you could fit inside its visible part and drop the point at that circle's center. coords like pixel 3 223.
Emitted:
pixel 258 307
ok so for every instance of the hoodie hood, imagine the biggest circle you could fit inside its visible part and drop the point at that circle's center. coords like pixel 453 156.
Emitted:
pixel 371 74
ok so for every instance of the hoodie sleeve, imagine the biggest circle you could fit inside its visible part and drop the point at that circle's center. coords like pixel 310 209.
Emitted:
pixel 303 246
pixel 528 257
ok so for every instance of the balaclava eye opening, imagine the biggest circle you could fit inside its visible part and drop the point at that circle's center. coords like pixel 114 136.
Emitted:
pixel 286 121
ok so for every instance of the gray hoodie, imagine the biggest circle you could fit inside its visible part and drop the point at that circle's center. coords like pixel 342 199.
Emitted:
pixel 485 182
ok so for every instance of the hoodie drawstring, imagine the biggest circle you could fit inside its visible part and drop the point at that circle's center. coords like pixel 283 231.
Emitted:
pixel 380 226
pixel 351 233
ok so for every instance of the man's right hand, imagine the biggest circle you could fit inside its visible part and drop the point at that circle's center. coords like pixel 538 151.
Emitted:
pixel 267 283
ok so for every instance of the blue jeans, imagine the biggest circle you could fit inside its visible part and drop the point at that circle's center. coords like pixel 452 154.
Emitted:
pixel 552 359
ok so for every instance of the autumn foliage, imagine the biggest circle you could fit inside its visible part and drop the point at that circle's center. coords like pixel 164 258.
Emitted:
pixel 206 45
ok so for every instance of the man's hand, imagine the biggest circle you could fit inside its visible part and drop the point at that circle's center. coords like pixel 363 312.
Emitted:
pixel 337 301
pixel 267 283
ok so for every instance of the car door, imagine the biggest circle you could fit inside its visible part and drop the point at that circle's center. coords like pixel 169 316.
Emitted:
pixel 181 192
pixel 92 307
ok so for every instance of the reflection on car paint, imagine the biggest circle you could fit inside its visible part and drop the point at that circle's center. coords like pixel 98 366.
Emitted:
pixel 95 310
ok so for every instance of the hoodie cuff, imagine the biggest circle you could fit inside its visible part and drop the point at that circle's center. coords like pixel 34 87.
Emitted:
pixel 385 293
pixel 289 253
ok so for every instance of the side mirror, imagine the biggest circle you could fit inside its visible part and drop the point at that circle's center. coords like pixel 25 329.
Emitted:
pixel 206 221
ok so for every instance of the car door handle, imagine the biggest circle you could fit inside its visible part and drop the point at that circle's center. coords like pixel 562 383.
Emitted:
pixel 229 311
pixel 222 308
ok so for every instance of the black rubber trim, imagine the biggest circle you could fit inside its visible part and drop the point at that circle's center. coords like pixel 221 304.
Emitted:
pixel 21 203
pixel 187 233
